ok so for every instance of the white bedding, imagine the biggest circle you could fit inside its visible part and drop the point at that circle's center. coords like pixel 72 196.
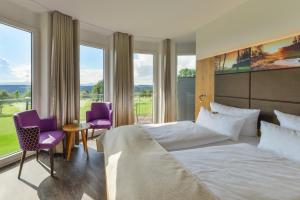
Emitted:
pixel 243 172
pixel 182 135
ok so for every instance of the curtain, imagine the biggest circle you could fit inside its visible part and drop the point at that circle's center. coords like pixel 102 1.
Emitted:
pixel 167 82
pixel 123 79
pixel 64 69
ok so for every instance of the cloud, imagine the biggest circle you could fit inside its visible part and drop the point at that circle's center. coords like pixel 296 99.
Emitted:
pixel 11 73
pixel 188 61
pixel 143 69
pixel 90 76
pixel 22 72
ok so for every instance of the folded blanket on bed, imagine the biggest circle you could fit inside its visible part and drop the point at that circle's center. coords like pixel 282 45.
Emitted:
pixel 182 135
pixel 138 168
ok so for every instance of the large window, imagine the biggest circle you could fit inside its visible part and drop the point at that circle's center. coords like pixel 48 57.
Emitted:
pixel 143 88
pixel 91 77
pixel 15 83
pixel 186 69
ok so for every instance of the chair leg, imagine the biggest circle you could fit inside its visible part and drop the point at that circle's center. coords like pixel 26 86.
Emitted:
pixel 37 155
pixel 51 161
pixel 93 130
pixel 21 164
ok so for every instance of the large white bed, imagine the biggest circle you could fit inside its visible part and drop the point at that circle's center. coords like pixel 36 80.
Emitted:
pixel 243 172
pixel 190 160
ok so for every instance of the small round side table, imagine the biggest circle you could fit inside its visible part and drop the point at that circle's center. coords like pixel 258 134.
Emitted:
pixel 70 131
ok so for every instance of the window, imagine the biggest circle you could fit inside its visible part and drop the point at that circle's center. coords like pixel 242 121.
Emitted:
pixel 91 77
pixel 15 83
pixel 186 69
pixel 143 88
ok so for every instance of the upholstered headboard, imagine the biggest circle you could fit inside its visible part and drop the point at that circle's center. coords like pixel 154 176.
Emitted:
pixel 265 90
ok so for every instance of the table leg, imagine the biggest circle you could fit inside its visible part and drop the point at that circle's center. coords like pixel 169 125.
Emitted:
pixel 84 141
pixel 71 137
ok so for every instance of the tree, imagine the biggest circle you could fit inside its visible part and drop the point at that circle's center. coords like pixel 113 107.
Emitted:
pixel 146 93
pixel 27 93
pixel 98 90
pixel 3 95
pixel 187 72
pixel 17 94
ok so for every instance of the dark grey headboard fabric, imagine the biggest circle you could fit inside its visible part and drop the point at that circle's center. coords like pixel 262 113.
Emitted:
pixel 265 90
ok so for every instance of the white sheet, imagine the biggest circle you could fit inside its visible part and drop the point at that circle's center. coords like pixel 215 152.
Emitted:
pixel 252 140
pixel 243 172
pixel 182 135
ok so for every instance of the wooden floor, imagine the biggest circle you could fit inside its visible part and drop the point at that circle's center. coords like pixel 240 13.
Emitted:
pixel 78 179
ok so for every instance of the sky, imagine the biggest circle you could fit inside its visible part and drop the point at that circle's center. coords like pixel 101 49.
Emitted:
pixel 91 65
pixel 273 47
pixel 15 55
pixel 186 61
pixel 143 69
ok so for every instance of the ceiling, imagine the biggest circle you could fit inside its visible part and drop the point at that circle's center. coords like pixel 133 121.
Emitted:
pixel 156 19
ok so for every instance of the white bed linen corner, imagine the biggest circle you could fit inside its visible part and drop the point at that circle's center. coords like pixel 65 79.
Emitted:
pixel 243 172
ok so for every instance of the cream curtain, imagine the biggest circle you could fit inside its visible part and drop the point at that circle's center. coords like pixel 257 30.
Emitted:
pixel 64 68
pixel 123 79
pixel 167 94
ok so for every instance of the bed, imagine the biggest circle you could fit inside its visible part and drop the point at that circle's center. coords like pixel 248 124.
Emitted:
pixel 243 172
pixel 138 166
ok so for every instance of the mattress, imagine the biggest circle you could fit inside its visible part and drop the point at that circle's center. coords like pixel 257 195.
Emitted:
pixel 243 172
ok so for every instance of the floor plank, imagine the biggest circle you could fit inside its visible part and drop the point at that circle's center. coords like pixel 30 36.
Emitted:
pixel 78 179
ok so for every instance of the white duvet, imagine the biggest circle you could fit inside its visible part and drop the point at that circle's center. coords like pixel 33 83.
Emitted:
pixel 182 135
pixel 243 172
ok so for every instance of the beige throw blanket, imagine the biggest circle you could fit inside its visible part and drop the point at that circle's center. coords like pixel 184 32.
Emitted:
pixel 138 168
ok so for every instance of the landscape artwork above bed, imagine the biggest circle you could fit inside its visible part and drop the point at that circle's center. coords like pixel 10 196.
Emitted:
pixel 279 54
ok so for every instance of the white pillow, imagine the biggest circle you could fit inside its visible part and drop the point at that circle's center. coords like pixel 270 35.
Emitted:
pixel 279 140
pixel 288 120
pixel 250 115
pixel 223 124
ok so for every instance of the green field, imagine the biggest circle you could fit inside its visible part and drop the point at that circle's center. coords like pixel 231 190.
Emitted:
pixel 143 106
pixel 8 138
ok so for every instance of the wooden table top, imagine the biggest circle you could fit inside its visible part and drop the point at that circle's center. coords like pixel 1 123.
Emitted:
pixel 76 127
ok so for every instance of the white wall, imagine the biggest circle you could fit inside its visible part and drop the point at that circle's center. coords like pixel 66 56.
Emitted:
pixel 256 21
pixel 188 48
pixel 19 15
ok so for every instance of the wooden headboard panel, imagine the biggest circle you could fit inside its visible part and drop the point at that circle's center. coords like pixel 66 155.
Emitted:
pixel 265 90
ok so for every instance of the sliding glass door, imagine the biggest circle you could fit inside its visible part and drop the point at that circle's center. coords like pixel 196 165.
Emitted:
pixel 15 82
pixel 143 88
pixel 91 77
pixel 186 71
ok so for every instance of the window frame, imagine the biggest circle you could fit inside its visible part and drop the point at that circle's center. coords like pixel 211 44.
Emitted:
pixel 105 64
pixel 155 78
pixel 35 79
pixel 176 66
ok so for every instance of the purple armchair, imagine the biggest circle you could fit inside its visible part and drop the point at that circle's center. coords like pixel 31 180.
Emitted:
pixel 100 116
pixel 35 134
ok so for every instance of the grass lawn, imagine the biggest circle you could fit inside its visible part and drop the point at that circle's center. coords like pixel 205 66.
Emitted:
pixel 143 106
pixel 8 138
pixel 85 105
